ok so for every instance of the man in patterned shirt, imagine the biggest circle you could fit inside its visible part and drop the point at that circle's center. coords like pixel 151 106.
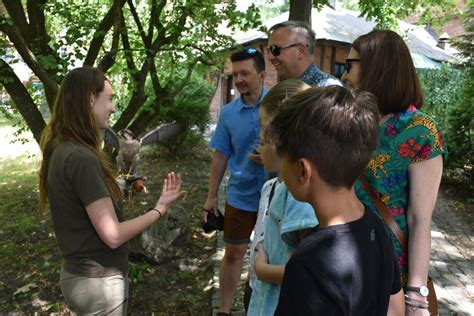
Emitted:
pixel 291 49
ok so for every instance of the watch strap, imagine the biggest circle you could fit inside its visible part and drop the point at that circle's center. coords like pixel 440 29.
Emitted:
pixel 416 289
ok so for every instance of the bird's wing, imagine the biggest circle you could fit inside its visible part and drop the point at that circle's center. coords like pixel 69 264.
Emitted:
pixel 111 139
pixel 162 132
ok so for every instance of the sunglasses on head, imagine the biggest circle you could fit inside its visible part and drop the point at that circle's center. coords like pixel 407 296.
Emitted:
pixel 275 50
pixel 250 51
pixel 349 62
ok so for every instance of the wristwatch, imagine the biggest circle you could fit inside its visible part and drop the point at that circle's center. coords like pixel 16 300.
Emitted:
pixel 422 290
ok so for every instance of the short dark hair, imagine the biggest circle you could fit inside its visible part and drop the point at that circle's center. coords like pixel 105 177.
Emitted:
pixel 333 128
pixel 250 53
pixel 387 71
pixel 303 31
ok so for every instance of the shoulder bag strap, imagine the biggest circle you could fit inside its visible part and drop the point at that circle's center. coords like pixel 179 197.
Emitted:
pixel 272 192
pixel 385 213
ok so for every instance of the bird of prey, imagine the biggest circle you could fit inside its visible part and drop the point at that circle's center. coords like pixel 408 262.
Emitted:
pixel 129 146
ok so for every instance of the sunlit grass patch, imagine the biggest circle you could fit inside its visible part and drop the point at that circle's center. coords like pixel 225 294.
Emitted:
pixel 28 250
pixel 30 260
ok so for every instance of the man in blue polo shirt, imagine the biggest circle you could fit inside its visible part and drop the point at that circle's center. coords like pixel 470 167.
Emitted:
pixel 237 132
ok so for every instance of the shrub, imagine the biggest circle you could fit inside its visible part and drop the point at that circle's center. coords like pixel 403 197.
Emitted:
pixel 448 99
pixel 191 105
pixel 190 108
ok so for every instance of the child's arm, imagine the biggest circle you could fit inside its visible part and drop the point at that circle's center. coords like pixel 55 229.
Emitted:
pixel 396 306
pixel 265 271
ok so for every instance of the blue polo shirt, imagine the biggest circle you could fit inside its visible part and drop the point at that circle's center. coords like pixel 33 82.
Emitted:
pixel 237 131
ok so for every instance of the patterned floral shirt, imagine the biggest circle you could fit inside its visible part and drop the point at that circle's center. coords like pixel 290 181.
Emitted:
pixel 407 137
pixel 315 77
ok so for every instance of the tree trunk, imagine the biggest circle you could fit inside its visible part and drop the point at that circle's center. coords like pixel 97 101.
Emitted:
pixel 142 121
pixel 300 10
pixel 138 99
pixel 23 101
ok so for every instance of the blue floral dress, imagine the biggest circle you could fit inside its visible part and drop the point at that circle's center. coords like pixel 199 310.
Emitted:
pixel 407 137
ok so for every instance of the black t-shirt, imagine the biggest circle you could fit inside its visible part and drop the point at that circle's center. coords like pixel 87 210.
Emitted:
pixel 348 269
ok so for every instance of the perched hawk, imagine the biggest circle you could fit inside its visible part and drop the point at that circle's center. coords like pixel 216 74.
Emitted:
pixel 129 146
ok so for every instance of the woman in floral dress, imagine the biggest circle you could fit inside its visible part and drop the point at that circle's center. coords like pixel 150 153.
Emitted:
pixel 407 167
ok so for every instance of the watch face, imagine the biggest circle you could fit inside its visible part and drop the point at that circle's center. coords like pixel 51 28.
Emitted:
pixel 424 291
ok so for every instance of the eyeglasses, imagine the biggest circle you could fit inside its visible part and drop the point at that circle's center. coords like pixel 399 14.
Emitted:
pixel 349 65
pixel 275 50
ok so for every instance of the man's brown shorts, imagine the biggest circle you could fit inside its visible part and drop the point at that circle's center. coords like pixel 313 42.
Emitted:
pixel 238 225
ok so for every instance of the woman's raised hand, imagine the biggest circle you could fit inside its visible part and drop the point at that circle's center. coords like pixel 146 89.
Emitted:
pixel 171 192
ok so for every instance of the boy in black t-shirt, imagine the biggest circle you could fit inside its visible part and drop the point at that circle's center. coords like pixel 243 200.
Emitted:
pixel 347 265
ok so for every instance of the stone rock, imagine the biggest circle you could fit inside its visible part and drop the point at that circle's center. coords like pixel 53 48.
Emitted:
pixel 161 241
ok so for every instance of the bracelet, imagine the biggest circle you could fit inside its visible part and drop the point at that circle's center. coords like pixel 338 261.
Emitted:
pixel 414 307
pixel 414 300
pixel 155 209
pixel 414 303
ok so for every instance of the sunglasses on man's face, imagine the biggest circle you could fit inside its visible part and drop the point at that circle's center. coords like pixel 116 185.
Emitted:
pixel 275 50
pixel 349 62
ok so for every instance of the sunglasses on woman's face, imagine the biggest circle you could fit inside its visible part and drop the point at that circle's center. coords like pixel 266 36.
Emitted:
pixel 349 62
pixel 275 50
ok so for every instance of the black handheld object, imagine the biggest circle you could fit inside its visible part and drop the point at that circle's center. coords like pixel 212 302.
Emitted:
pixel 213 222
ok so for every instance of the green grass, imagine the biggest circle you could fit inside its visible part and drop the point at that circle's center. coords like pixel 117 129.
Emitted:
pixel 27 247
pixel 29 253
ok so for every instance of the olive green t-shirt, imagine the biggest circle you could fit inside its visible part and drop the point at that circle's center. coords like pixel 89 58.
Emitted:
pixel 75 180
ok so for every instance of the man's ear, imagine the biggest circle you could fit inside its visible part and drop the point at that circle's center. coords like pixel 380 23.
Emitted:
pixel 262 74
pixel 306 171
pixel 303 51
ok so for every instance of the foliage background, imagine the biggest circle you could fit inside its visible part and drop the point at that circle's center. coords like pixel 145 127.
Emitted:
pixel 446 100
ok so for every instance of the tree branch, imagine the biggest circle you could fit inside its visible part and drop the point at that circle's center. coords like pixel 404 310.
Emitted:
pixel 153 16
pixel 22 99
pixel 127 49
pixel 155 81
pixel 185 81
pixel 17 14
pixel 166 97
pixel 108 60
pixel 40 37
pixel 50 86
pixel 37 21
pixel 136 18
pixel 181 24
pixel 143 120
pixel 139 95
pixel 99 34
pixel 156 21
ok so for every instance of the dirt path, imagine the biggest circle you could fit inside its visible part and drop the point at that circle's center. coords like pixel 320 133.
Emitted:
pixel 452 252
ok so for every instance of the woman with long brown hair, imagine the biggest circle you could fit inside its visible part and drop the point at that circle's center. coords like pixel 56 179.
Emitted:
pixel 406 170
pixel 85 199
